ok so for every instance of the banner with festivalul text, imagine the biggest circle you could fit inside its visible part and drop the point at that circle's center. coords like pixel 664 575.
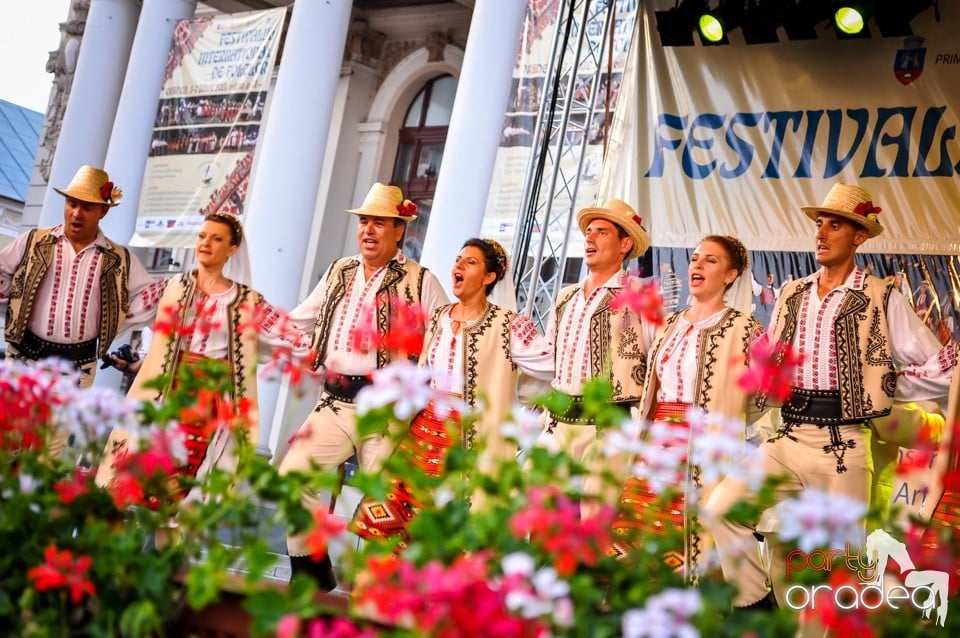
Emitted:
pixel 735 139
pixel 212 102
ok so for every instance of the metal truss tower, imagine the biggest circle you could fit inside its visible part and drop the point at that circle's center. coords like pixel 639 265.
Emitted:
pixel 578 59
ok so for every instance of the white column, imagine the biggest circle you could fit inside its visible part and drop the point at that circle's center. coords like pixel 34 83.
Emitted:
pixel 282 197
pixel 474 134
pixel 101 65
pixel 133 126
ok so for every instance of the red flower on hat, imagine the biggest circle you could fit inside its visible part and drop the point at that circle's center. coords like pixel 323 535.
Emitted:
pixel 407 208
pixel 867 209
pixel 110 193
pixel 639 220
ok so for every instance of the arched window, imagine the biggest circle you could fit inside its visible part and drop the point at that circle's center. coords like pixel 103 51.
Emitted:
pixel 420 151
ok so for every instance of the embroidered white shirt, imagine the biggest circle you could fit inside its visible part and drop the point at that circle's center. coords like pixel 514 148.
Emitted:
pixel 924 367
pixel 66 308
pixel 679 358
pixel 357 311
pixel 529 351
pixel 209 336
pixel 572 336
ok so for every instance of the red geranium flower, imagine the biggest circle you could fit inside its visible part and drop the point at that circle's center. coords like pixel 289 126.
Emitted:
pixel 406 208
pixel 70 490
pixel 641 298
pixel 105 191
pixel 771 369
pixel 866 209
pixel 325 528
pixel 62 570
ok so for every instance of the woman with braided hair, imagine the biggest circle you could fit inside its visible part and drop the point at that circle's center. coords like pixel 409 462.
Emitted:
pixel 475 350
pixel 210 317
pixel 694 362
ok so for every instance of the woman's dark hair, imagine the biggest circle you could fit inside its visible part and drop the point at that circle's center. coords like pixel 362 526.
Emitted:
pixel 736 251
pixel 232 221
pixel 494 258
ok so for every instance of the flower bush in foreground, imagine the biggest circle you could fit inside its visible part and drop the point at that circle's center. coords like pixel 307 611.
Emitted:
pixel 501 551
pixel 79 560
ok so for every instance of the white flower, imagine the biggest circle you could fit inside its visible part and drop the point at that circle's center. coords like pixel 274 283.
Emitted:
pixel 175 440
pixel 402 384
pixel 91 415
pixel 28 484
pixel 547 585
pixel 523 427
pixel 563 613
pixel 821 519
pixel 442 496
pixel 660 456
pixel 517 564
pixel 544 594
pixel 718 448
pixel 624 439
pixel 665 615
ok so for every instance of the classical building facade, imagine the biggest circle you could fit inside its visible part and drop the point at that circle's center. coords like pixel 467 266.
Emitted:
pixel 364 91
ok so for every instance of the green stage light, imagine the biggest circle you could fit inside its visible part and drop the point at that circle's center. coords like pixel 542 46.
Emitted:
pixel 849 20
pixel 710 28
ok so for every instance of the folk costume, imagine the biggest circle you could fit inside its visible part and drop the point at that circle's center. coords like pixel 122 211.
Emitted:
pixel 68 303
pixel 592 340
pixel 71 304
pixel 232 326
pixel 481 365
pixel 692 365
pixel 862 347
pixel 341 307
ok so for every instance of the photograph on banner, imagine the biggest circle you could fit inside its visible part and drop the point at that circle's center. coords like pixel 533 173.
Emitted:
pixel 207 124
pixel 590 115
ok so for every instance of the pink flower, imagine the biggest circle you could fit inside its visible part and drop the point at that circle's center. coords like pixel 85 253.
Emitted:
pixel 552 521
pixel 460 599
pixel 289 626
pixel 326 527
pixel 818 519
pixel 771 369
pixel 641 298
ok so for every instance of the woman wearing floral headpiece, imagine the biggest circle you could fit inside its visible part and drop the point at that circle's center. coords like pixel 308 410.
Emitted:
pixel 695 362
pixel 474 349
pixel 224 320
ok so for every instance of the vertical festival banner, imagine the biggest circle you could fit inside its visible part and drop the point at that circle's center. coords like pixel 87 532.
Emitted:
pixel 207 123
pixel 520 120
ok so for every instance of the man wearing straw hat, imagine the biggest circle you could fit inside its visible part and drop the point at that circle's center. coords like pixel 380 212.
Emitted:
pixel 68 288
pixel 355 291
pixel 862 347
pixel 592 340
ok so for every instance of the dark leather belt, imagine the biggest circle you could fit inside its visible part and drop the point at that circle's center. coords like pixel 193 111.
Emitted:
pixel 345 387
pixel 820 407
pixel 34 348
pixel 574 414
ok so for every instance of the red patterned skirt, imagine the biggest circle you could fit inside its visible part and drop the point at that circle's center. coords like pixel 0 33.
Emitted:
pixel 197 434
pixel 642 511
pixel 425 446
